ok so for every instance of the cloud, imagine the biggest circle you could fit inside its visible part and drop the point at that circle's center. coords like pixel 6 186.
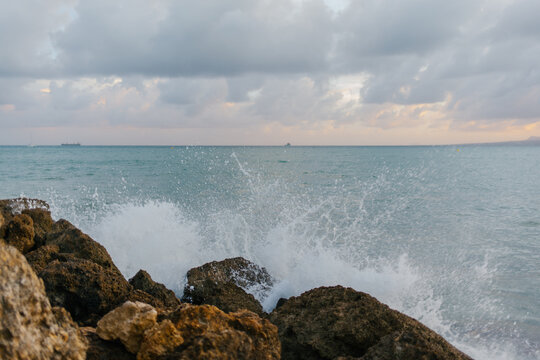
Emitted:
pixel 185 38
pixel 260 64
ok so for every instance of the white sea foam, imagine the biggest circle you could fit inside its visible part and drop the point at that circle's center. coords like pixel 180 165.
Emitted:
pixel 158 237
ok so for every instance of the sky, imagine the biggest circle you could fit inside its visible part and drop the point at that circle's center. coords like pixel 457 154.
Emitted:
pixel 268 72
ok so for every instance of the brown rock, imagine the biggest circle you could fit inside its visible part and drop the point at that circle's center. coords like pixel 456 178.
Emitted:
pixel 223 284
pixel 42 223
pixel 42 256
pixel 127 323
pixel 332 322
pixel 142 281
pixel 226 296
pixel 160 340
pixel 29 327
pixel 19 233
pixel 209 333
pixel 71 240
pixel 238 270
pixel 99 349
pixel 87 290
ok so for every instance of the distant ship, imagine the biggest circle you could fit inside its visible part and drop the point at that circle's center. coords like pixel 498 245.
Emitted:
pixel 288 144
pixel 71 144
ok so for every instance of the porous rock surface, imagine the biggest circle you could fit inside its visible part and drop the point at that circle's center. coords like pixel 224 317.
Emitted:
pixel 87 290
pixel 209 333
pixel 163 297
pixel 223 284
pixel 127 323
pixel 19 232
pixel 334 322
pixel 29 327
pixel 71 240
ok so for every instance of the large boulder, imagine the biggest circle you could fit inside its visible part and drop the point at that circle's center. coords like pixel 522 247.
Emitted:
pixel 29 327
pixel 87 290
pixel 71 240
pixel 127 323
pixel 223 284
pixel 205 332
pixel 332 322
pixel 163 297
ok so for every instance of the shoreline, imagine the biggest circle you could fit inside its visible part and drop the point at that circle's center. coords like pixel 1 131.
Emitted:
pixel 80 277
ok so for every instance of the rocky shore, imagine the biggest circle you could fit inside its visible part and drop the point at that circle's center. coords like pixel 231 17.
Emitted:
pixel 62 297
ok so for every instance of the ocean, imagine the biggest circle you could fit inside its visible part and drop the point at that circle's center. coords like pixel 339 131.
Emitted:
pixel 449 235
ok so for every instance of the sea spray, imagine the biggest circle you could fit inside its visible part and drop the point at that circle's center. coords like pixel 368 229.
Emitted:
pixel 438 237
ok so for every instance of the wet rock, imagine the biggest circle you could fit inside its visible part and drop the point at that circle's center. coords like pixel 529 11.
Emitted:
pixel 127 323
pixel 223 284
pixel 332 322
pixel 42 223
pixel 99 349
pixel 29 327
pixel 12 207
pixel 71 240
pixel 209 333
pixel 238 270
pixel 226 296
pixel 143 281
pixel 19 233
pixel 87 290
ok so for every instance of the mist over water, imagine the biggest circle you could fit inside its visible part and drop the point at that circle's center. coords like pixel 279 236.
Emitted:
pixel 451 238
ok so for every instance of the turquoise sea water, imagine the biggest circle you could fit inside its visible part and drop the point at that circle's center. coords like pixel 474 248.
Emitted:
pixel 449 235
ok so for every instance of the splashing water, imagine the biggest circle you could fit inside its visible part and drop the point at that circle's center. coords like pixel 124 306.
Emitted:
pixel 429 233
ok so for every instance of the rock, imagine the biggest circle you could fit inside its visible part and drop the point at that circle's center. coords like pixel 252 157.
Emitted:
pixel 87 290
pixel 19 233
pixel 42 223
pixel 209 333
pixel 238 270
pixel 160 340
pixel 42 256
pixel 127 323
pixel 226 296
pixel 142 281
pixel 332 322
pixel 71 240
pixel 29 327
pixel 99 349
pixel 223 284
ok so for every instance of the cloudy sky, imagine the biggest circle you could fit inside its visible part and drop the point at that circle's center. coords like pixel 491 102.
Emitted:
pixel 269 71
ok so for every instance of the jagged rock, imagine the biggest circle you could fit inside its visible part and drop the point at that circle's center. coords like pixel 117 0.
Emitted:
pixel 87 290
pixel 42 223
pixel 238 270
pixel 99 349
pixel 19 233
pixel 71 240
pixel 160 340
pixel 223 284
pixel 127 323
pixel 332 322
pixel 43 255
pixel 143 281
pixel 29 327
pixel 209 333
pixel 141 296
pixel 226 296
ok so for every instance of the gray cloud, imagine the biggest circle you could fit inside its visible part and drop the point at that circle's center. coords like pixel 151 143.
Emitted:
pixel 168 63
